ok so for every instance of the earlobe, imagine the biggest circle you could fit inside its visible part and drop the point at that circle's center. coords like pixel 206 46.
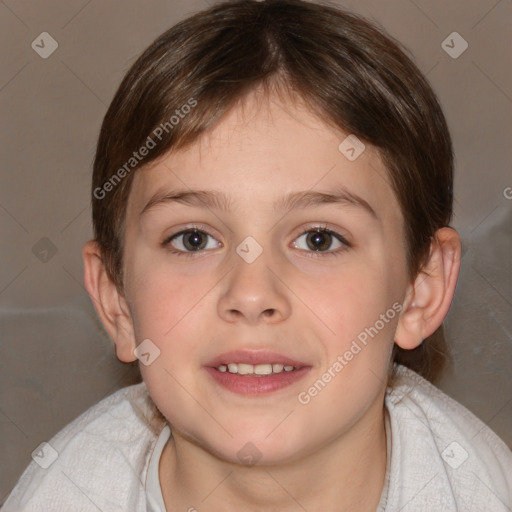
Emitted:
pixel 110 304
pixel 429 297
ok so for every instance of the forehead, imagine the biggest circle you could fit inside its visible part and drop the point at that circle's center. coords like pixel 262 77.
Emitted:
pixel 264 148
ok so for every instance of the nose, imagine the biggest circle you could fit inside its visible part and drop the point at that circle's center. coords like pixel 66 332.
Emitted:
pixel 252 294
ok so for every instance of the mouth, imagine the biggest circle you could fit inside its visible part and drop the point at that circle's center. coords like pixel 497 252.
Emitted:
pixel 255 372
pixel 258 370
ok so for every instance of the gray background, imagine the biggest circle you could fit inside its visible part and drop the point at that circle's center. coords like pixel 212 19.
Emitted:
pixel 56 360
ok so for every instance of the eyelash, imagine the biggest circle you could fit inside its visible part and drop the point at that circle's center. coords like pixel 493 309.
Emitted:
pixel 186 254
pixel 314 254
pixel 321 254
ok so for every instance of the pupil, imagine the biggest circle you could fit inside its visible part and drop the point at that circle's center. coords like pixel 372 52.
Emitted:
pixel 194 241
pixel 319 240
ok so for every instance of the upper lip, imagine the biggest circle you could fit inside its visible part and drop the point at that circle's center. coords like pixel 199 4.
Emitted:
pixel 254 357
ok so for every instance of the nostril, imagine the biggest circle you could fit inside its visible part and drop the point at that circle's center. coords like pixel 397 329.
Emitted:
pixel 269 312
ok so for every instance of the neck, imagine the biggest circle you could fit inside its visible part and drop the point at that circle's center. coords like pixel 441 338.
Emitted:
pixel 346 473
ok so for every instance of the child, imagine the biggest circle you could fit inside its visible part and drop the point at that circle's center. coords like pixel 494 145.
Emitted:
pixel 272 194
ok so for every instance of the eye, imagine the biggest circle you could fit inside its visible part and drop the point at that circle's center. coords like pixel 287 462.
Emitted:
pixel 191 240
pixel 319 240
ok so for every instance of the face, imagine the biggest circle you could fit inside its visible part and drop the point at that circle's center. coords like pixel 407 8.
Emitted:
pixel 267 268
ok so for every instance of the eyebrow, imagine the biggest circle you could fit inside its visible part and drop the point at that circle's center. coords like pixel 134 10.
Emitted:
pixel 310 198
pixel 296 200
pixel 200 198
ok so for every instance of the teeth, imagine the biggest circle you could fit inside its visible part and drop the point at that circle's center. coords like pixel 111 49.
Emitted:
pixel 258 369
pixel 263 369
pixel 244 369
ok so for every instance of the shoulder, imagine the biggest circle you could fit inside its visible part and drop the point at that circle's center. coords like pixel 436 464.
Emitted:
pixel 97 461
pixel 439 444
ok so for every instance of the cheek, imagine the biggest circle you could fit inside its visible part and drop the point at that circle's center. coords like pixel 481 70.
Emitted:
pixel 163 298
pixel 361 314
pixel 352 299
pixel 172 311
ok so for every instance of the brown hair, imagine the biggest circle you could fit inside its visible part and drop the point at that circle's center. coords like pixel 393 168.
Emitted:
pixel 350 73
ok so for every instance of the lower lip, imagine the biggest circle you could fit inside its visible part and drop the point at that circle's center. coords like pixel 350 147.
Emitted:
pixel 247 385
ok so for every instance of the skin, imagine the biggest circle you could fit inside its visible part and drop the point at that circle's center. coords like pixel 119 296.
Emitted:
pixel 329 454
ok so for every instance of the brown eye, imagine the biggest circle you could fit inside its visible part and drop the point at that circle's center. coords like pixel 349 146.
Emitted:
pixel 193 240
pixel 320 240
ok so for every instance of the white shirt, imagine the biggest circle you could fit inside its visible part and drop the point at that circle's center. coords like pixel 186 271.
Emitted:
pixel 440 457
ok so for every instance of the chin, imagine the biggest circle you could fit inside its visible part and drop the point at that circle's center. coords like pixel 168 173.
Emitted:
pixel 258 450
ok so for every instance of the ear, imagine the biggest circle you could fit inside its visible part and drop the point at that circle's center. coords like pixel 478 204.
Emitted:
pixel 429 297
pixel 110 304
